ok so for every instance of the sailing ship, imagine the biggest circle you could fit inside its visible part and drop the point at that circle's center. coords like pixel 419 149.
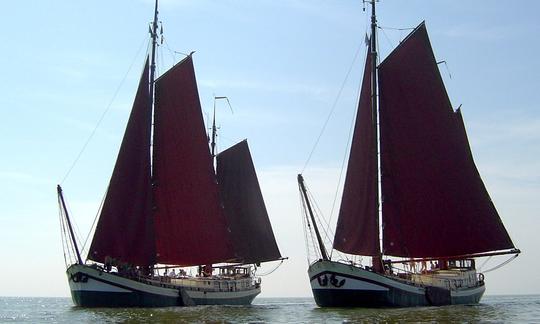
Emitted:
pixel 436 216
pixel 166 208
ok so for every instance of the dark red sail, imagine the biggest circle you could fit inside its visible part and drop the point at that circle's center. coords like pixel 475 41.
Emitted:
pixel 125 228
pixel 357 229
pixel 189 220
pixel 434 202
pixel 251 231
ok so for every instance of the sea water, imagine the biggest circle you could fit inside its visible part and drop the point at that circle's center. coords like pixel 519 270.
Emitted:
pixel 497 309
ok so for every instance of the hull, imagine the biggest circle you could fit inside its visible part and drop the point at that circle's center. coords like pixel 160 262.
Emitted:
pixel 336 284
pixel 91 287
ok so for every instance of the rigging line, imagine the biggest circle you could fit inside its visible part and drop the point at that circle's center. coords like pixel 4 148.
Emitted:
pixel 102 115
pixel 319 215
pixel 306 227
pixel 394 28
pixel 94 222
pixel 172 52
pixel 484 263
pixel 388 39
pixel 334 105
pixel 502 264
pixel 266 274
pixel 351 128
pixel 309 230
pixel 63 232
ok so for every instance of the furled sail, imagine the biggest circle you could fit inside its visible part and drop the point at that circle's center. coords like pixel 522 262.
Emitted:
pixel 190 224
pixel 357 229
pixel 251 231
pixel 434 201
pixel 125 228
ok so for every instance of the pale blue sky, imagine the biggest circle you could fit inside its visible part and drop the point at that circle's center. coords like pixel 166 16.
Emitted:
pixel 282 64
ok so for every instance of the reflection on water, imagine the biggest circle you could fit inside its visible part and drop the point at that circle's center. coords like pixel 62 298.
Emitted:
pixel 270 310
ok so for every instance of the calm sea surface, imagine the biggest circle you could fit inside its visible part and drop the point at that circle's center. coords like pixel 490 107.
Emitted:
pixel 497 309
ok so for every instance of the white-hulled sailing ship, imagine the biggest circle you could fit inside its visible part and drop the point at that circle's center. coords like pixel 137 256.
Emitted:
pixel 166 208
pixel 437 216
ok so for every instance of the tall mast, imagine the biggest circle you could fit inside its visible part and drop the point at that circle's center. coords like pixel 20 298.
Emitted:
pixel 153 33
pixel 374 120
pixel 310 211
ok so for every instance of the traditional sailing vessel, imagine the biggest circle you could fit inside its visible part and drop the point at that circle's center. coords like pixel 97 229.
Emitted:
pixel 436 214
pixel 166 208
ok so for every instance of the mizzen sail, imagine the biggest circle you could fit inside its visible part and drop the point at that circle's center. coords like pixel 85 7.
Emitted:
pixel 434 201
pixel 125 228
pixel 251 231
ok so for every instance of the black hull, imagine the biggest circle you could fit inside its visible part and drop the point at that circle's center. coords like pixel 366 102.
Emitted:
pixel 116 299
pixel 339 285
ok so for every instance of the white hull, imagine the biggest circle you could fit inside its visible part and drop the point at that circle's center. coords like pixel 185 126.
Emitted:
pixel 91 287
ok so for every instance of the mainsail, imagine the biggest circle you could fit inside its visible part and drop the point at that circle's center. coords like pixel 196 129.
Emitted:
pixel 357 231
pixel 434 203
pixel 180 215
pixel 125 229
pixel 430 183
pixel 190 223
pixel 246 213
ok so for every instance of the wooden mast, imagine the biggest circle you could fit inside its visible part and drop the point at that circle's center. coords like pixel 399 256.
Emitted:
pixel 303 190
pixel 377 260
pixel 71 233
pixel 214 133
pixel 153 34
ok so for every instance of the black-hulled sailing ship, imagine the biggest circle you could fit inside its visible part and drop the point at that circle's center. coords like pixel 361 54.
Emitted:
pixel 166 209
pixel 437 216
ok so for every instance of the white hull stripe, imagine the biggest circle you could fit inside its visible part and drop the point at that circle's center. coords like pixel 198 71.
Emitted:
pixel 372 284
pixel 384 285
pixel 124 288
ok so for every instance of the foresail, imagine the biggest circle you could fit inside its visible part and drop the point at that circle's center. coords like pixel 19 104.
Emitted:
pixel 189 220
pixel 434 201
pixel 125 228
pixel 357 227
pixel 251 231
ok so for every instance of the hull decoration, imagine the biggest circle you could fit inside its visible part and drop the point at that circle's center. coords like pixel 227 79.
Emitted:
pixel 336 284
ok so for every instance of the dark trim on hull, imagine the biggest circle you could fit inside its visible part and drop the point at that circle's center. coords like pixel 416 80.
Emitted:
pixel 375 299
pixel 122 299
pixel 215 301
pixel 350 298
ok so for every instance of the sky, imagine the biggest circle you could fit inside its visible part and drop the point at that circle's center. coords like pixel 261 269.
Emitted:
pixel 285 65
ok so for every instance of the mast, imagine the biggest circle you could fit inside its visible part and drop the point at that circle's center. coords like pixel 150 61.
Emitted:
pixel 153 34
pixel 71 233
pixel 214 131
pixel 308 204
pixel 374 108
pixel 214 128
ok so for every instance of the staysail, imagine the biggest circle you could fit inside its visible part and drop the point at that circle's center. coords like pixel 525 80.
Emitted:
pixel 357 231
pixel 125 227
pixel 434 201
pixel 190 224
pixel 251 231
